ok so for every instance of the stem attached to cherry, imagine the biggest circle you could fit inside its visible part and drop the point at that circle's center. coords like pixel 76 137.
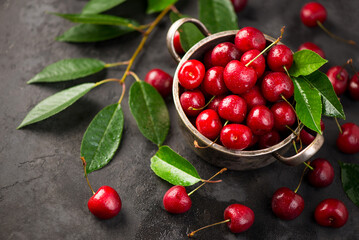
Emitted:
pixel 209 180
pixel 211 225
pixel 351 42
pixel 88 182
pixel 210 100
pixel 339 127
pixel 301 178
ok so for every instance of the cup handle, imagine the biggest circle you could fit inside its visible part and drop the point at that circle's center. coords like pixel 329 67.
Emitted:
pixel 175 26
pixel 304 155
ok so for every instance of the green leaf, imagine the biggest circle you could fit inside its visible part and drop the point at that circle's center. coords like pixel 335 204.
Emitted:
pixel 158 5
pixel 350 180
pixel 68 69
pixel 98 19
pixel 56 103
pixel 189 33
pixel 102 137
pixel 150 112
pixel 305 62
pixel 218 15
pixel 93 33
pixel 331 104
pixel 97 6
pixel 173 168
pixel 309 104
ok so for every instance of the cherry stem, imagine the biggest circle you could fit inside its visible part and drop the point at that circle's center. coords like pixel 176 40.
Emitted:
pixel 271 45
pixel 286 70
pixel 350 62
pixel 107 80
pixel 123 93
pixel 308 166
pixel 295 146
pixel 174 9
pixel 108 65
pixel 205 181
pixel 88 182
pixel 134 75
pixel 211 225
pixel 210 100
pixel 301 178
pixel 340 128
pixel 341 70
pixel 333 35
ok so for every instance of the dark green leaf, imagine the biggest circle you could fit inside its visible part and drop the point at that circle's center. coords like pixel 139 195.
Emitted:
pixel 189 33
pixel 350 180
pixel 98 19
pixel 309 104
pixel 93 33
pixel 150 111
pixel 56 103
pixel 97 6
pixel 173 168
pixel 158 5
pixel 102 137
pixel 68 69
pixel 331 105
pixel 218 15
pixel 305 62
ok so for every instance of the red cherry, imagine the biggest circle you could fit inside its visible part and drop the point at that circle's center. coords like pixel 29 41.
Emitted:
pixel 192 99
pixel 322 174
pixel 276 84
pixel 105 203
pixel 313 12
pixel 259 65
pixel 213 82
pixel 239 5
pixel 287 204
pixel 269 139
pixel 207 59
pixel 209 124
pixel 260 120
pixel 242 217
pixel 236 136
pixel 233 108
pixel 254 97
pixel 338 76
pixel 177 43
pixel 331 213
pixel 284 115
pixel 223 53
pixel 278 57
pixel 307 136
pixel 348 140
pixel 354 87
pixel 215 103
pixel 160 80
pixel 176 200
pixel 249 38
pixel 191 74
pixel 313 47
pixel 239 78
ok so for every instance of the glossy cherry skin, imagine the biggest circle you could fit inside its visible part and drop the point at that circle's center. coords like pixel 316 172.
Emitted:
pixel 313 12
pixel 223 53
pixel 259 65
pixel 284 115
pixel 209 124
pixel 260 120
pixel 331 213
pixel 192 99
pixel 276 84
pixel 322 174
pixel 239 78
pixel 254 97
pixel 213 82
pixel 338 76
pixel 249 38
pixel 313 47
pixel 160 80
pixel 236 136
pixel 215 103
pixel 278 57
pixel 307 136
pixel 269 139
pixel 233 108
pixel 242 217
pixel 239 5
pixel 105 203
pixel 176 200
pixel 177 43
pixel 353 87
pixel 191 74
pixel 287 204
pixel 348 140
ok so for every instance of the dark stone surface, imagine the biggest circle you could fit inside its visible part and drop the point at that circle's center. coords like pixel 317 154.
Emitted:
pixel 43 194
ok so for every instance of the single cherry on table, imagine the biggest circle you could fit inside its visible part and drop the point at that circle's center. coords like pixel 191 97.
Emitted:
pixel 331 213
pixel 287 204
pixel 348 139
pixel 160 80
pixel 338 77
pixel 322 174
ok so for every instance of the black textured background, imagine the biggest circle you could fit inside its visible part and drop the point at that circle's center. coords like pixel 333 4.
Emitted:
pixel 43 194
